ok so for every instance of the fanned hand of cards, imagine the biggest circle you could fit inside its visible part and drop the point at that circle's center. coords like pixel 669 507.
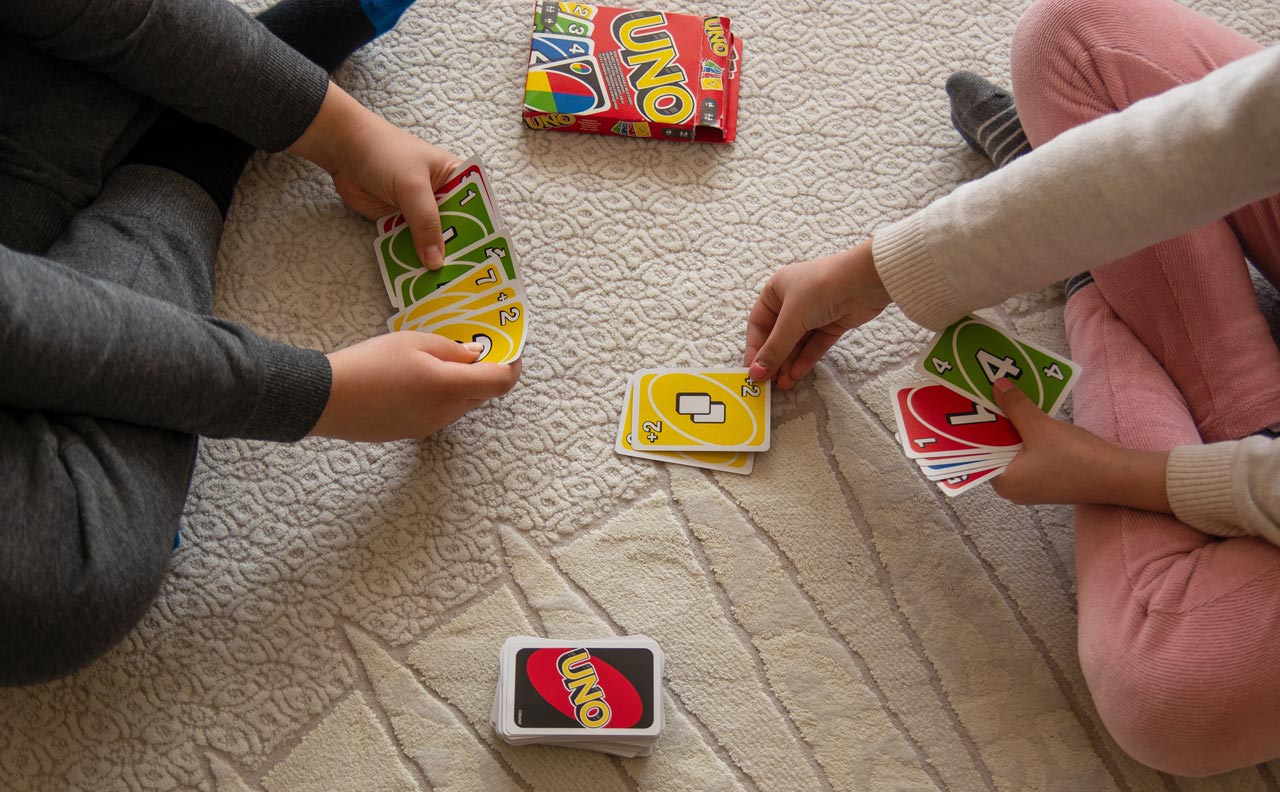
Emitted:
pixel 478 295
pixel 953 429
pixel 598 694
pixel 714 418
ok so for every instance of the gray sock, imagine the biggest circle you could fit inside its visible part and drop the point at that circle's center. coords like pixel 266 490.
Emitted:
pixel 985 116
pixel 1076 282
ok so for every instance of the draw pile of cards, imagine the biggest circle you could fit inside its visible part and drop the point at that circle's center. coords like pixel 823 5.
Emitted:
pixel 714 418
pixel 599 695
pixel 478 295
pixel 951 426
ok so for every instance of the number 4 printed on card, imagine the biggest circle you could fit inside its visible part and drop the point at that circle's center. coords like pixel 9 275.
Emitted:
pixel 972 354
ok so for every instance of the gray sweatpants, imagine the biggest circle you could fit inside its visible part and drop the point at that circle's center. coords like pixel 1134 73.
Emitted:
pixel 89 507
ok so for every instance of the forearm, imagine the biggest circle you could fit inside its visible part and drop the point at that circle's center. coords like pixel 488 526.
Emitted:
pixel 1094 194
pixel 205 58
pixel 73 344
pixel 1127 477
pixel 335 130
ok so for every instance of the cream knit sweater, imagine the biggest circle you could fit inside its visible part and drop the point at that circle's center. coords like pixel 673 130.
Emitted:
pixel 1097 193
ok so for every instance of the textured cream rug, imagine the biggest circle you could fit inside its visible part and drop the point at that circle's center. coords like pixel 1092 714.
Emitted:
pixel 333 618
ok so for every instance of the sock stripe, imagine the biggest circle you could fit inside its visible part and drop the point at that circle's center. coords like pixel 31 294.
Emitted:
pixel 1003 152
pixel 1013 155
pixel 977 133
pixel 995 135
pixel 1077 282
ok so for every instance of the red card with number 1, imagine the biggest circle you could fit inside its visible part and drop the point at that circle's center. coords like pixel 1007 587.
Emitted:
pixel 935 421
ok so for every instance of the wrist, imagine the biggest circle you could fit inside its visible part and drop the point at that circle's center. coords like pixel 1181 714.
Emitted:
pixel 335 130
pixel 1129 477
pixel 873 287
pixel 861 283
pixel 328 424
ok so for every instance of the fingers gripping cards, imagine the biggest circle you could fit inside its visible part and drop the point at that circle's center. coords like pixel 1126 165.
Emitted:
pixel 951 426
pixel 478 296
pixel 597 694
pixel 615 71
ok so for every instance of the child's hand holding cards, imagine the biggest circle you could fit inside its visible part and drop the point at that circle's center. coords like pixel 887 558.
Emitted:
pixel 954 430
pixel 597 694
pixel 478 295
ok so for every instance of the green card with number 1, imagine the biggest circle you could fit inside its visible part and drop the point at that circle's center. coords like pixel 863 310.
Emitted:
pixel 972 354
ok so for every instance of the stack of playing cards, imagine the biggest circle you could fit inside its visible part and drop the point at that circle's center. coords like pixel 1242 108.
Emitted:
pixel 599 694
pixel 478 295
pixel 714 418
pixel 953 429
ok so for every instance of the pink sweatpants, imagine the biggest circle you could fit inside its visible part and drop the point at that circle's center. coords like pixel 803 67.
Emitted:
pixel 1179 632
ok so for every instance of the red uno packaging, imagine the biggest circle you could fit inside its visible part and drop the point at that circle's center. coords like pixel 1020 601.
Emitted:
pixel 614 71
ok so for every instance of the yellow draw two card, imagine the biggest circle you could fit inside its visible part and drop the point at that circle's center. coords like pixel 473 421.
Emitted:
pixel 718 409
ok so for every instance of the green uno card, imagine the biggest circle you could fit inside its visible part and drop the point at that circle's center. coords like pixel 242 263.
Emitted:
pixel 417 284
pixel 400 265
pixel 571 18
pixel 972 354
pixel 466 219
pixel 491 247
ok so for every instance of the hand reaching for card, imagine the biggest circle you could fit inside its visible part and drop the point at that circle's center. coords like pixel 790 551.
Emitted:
pixel 805 308
pixel 1061 463
pixel 379 168
pixel 407 385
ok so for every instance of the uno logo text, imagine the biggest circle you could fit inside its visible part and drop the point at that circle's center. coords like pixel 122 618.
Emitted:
pixel 715 36
pixel 549 121
pixel 582 682
pixel 659 83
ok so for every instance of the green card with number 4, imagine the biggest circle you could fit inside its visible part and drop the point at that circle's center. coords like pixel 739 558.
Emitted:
pixel 972 354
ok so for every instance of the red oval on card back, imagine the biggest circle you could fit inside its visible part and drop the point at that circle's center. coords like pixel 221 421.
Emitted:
pixel 625 705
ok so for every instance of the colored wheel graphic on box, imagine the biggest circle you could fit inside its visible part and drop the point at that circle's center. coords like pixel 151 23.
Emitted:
pixel 569 87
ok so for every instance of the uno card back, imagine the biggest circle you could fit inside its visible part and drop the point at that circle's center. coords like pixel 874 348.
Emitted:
pixel 574 688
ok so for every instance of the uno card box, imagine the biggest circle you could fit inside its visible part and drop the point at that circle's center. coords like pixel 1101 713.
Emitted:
pixel 613 71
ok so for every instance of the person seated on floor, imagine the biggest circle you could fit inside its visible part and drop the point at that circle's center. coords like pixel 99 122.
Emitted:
pixel 1173 460
pixel 110 364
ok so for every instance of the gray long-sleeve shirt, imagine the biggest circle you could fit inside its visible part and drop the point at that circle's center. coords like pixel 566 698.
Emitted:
pixel 69 343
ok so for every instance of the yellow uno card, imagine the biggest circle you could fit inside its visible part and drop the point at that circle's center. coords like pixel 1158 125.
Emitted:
pixel 483 278
pixel 500 329
pixel 466 306
pixel 727 461
pixel 713 409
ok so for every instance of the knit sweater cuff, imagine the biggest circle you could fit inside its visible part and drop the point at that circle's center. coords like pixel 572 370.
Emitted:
pixel 295 390
pixel 911 276
pixel 1198 483
pixel 276 121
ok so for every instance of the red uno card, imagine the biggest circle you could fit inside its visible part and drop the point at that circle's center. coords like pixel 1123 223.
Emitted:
pixel 966 481
pixel 935 421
